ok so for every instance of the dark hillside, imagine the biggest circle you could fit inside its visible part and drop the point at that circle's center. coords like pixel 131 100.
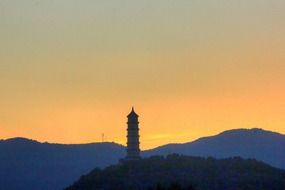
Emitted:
pixel 185 171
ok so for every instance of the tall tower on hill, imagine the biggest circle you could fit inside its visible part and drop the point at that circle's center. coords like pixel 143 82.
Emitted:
pixel 133 144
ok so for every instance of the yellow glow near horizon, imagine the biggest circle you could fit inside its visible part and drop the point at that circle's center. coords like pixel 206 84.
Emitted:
pixel 71 70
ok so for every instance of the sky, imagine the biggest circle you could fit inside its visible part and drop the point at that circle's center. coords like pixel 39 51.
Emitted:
pixel 71 70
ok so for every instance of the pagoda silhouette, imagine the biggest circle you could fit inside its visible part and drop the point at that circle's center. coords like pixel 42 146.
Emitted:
pixel 133 144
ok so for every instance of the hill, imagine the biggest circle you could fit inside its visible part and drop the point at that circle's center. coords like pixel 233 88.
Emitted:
pixel 26 164
pixel 262 145
pixel 186 173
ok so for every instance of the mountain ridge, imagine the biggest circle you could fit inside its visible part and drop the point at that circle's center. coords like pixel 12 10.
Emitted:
pixel 247 143
pixel 28 140
pixel 231 131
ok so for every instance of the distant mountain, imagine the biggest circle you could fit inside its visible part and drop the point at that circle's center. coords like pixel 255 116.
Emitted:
pixel 29 165
pixel 255 143
pixel 176 172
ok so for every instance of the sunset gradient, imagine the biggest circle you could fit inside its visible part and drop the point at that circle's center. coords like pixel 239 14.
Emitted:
pixel 71 70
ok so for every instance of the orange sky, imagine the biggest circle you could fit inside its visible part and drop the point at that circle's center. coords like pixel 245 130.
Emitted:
pixel 71 70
